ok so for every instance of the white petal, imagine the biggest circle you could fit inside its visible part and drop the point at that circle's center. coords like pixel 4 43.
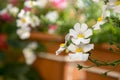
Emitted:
pixel 83 27
pixel 88 47
pixel 96 26
pixel 67 37
pixel 29 56
pixel 60 50
pixel 71 48
pixel 79 57
pixel 76 41
pixel 73 33
pixel 77 27
pixel 21 14
pixel 88 33
pixel 85 41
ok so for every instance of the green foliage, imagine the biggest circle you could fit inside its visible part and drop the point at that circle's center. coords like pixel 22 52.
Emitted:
pixel 109 32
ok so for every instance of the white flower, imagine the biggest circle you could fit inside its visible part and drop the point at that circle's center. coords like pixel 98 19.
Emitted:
pixel 24 19
pixel 32 45
pixel 83 48
pixel 98 24
pixel 29 3
pixel 114 5
pixel 101 20
pixel 80 4
pixel 79 53
pixel 117 9
pixel 35 21
pixel 23 33
pixel 23 22
pixel 52 16
pixel 79 57
pixel 61 48
pixel 29 56
pixel 41 3
pixel 12 9
pixel 21 13
pixel 63 45
pixel 80 34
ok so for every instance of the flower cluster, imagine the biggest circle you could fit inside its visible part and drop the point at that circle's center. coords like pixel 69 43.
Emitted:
pixel 78 41
pixel 39 14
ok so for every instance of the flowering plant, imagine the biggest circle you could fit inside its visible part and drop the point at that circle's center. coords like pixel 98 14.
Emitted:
pixel 81 39
pixel 57 17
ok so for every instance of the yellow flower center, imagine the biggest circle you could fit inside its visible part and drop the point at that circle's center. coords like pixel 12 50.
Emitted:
pixel 66 50
pixel 23 20
pixel 62 45
pixel 80 35
pixel 79 50
pixel 100 19
pixel 117 2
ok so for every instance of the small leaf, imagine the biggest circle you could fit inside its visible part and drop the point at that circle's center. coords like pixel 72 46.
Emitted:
pixel 79 66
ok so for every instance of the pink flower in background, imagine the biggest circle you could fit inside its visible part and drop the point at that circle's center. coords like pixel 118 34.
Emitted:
pixel 6 17
pixel 52 29
pixel 59 3
pixel 27 9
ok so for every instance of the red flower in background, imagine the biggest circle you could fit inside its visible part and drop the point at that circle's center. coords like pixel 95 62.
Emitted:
pixel 14 2
pixel 59 3
pixel 6 17
pixel 3 42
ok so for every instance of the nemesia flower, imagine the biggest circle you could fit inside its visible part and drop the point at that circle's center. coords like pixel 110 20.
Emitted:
pixel 35 21
pixel 23 22
pixel 52 16
pixel 114 5
pixel 41 3
pixel 23 13
pixel 79 53
pixel 80 34
pixel 61 4
pixel 61 48
pixel 29 3
pixel 101 20
pixel 12 9
pixel 24 19
pixel 29 55
pixel 23 33
pixel 83 48
pixel 79 4
pixel 63 45
pixel 8 13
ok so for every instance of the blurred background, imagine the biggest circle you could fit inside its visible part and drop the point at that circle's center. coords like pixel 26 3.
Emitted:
pixel 31 32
